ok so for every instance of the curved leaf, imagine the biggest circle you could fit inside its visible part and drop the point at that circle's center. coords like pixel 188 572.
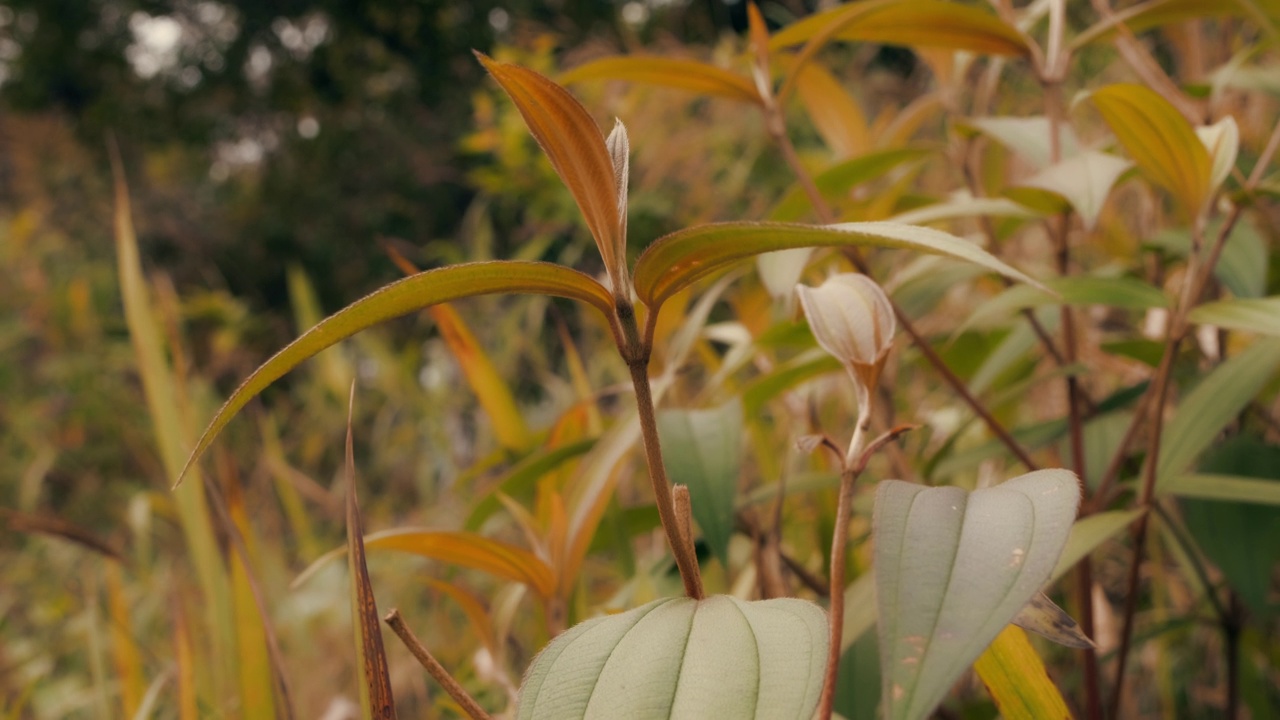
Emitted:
pixel 521 480
pixel 841 177
pixel 456 548
pixel 1027 136
pixel 1160 140
pixel 683 658
pixel 400 298
pixel 922 23
pixel 1255 315
pixel 953 568
pixel 574 144
pixel 1154 13
pixel 676 261
pixel 833 111
pixel 1084 180
pixel 703 450
pixel 1090 532
pixel 698 77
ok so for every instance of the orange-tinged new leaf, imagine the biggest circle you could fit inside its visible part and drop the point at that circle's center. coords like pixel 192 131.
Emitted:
pixel 474 610
pixel 1160 141
pixel 573 142
pixel 492 391
pixel 698 77
pixel 835 114
pixel 1017 680
pixel 924 23
pixel 675 261
pixel 400 298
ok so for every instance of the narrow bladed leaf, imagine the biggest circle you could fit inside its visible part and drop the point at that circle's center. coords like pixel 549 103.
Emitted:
pixel 400 298
pixel 691 75
pixel 953 568
pixel 922 23
pixel 1255 315
pixel 1088 533
pixel 676 261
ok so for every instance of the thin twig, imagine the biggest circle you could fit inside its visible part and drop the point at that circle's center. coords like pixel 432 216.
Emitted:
pixel 434 668
pixel 684 524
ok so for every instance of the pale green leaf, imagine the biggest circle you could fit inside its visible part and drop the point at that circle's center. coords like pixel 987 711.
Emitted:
pixel 400 298
pixel 1084 180
pixel 837 180
pixel 680 658
pixel 953 568
pixel 1216 401
pixel 1255 315
pixel 1242 268
pixel 1222 140
pixel 676 261
pixel 1236 488
pixel 1027 136
pixel 965 206
pixel 703 450
pixel 1078 291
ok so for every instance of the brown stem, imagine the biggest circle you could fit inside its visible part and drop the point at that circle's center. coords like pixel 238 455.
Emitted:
pixel 686 562
pixel 684 523
pixel 434 668
pixel 1146 67
pixel 778 131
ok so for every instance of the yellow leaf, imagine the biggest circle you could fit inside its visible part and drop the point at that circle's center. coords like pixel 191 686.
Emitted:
pixel 576 148
pixel 835 114
pixel 1160 141
pixel 925 23
pixel 1017 680
pixel 492 391
pixel 698 77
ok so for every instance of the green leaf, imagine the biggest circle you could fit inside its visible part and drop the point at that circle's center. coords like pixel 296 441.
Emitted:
pixel 1214 403
pixel 1078 291
pixel 676 261
pixel 1255 315
pixel 1241 538
pixel 838 179
pixel 683 658
pixel 1242 268
pixel 1160 141
pixel 1014 674
pixel 1224 487
pixel 400 298
pixel 963 206
pixel 1090 532
pixel 1155 13
pixel 703 450
pixel 765 387
pixel 953 568
pixel 698 77
pixel 919 23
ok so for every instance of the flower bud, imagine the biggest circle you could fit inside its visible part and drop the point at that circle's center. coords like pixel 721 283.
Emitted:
pixel 851 318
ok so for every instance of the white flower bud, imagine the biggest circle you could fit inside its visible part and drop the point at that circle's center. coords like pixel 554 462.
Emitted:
pixel 851 318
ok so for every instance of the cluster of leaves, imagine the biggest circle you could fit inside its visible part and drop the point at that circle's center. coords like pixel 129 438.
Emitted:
pixel 1147 209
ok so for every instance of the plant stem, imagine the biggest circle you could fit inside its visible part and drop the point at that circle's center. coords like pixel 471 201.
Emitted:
pixel 638 363
pixel 778 131
pixel 835 610
pixel 434 668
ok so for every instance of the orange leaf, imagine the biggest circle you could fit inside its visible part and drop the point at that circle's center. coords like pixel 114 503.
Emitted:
pixel 469 550
pixel 576 148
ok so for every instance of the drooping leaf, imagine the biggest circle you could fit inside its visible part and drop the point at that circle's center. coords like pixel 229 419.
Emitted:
pixel 1241 537
pixel 457 548
pixel 698 77
pixel 683 658
pixel 1254 315
pixel 953 568
pixel 1215 402
pixel 922 23
pixel 676 261
pixel 576 147
pixel 1160 141
pixel 1027 136
pixel 400 298
pixel 1014 674
pixel 703 450
pixel 1084 180
pixel 963 205
pixel 1222 140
